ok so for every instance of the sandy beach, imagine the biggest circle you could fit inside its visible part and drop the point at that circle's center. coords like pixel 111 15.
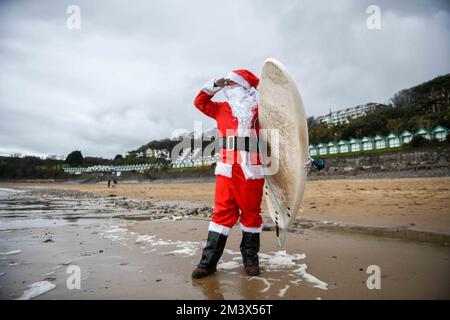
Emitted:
pixel 141 241
pixel 418 203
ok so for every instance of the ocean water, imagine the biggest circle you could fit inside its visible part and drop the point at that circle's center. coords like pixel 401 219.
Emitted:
pixel 21 209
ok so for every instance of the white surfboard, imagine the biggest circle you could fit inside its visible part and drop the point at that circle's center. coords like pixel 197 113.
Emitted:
pixel 281 108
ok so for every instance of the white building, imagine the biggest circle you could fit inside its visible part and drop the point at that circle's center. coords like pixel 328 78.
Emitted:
pixel 161 153
pixel 149 153
pixel 343 116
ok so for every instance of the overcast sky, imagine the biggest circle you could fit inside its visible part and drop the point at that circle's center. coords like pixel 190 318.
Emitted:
pixel 130 74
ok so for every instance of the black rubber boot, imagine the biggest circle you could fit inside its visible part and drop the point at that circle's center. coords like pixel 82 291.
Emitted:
pixel 249 249
pixel 211 255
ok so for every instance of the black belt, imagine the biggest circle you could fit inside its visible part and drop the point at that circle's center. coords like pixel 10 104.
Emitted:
pixel 232 143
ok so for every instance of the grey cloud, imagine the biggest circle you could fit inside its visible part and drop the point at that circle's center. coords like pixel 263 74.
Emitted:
pixel 131 73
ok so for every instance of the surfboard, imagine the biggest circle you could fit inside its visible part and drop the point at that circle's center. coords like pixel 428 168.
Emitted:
pixel 280 108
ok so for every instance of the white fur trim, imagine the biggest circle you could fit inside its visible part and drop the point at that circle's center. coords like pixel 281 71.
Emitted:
pixel 251 230
pixel 238 79
pixel 209 87
pixel 252 172
pixel 219 228
pixel 224 169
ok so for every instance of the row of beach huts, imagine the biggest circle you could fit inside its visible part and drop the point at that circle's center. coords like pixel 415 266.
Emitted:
pixel 354 145
pixel 376 143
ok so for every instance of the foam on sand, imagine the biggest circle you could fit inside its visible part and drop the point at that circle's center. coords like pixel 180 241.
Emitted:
pixel 10 253
pixel 115 229
pixel 271 261
pixel 111 237
pixel 231 252
pixel 36 289
pixel 189 251
pixel 187 248
pixel 310 278
pixel 143 238
pixel 280 260
pixel 228 265
pixel 266 282
pixel 283 291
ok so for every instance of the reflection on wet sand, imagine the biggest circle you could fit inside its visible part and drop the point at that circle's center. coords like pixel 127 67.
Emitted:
pixel 216 286
pixel 210 287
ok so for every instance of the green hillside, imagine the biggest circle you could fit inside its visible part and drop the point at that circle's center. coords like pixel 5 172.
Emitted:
pixel 423 106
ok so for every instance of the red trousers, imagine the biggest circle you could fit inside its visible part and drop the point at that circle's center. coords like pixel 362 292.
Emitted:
pixel 237 194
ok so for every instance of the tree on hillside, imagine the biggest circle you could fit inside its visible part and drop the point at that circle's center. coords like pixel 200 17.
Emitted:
pixel 395 125
pixel 320 133
pixel 118 159
pixel 75 158
pixel 311 121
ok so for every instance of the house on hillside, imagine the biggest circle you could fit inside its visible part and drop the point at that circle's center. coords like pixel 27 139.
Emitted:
pixel 393 141
pixel 367 144
pixel 424 133
pixel 344 115
pixel 161 153
pixel 332 148
pixel 312 150
pixel 355 145
pixel 322 148
pixel 440 133
pixel 344 146
pixel 406 137
pixel 149 153
pixel 379 142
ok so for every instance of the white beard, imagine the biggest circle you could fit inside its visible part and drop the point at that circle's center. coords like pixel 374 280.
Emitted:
pixel 242 103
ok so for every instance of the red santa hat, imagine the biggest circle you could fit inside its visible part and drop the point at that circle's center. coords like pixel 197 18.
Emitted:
pixel 244 77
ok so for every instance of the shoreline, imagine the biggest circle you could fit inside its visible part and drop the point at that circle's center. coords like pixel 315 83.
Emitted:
pixel 202 177
pixel 157 209
pixel 146 249
pixel 418 204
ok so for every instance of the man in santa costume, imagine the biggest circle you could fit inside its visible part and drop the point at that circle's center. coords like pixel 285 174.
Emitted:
pixel 239 176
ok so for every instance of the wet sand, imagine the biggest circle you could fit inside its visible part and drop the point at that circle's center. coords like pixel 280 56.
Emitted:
pixel 418 203
pixel 124 267
pixel 143 243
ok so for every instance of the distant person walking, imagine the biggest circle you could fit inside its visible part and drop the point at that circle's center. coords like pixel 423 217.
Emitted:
pixel 112 178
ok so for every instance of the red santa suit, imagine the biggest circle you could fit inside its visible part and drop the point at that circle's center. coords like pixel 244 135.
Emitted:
pixel 239 177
